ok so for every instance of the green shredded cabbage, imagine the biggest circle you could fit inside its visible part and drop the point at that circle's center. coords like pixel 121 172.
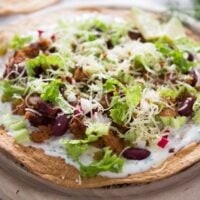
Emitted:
pixel 75 150
pixel 10 89
pixel 53 60
pixel 94 131
pixel 110 162
pixel 52 94
pixel 167 92
pixel 119 110
pixel 19 42
pixel 174 122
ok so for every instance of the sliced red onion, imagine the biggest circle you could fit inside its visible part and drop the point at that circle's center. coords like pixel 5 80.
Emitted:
pixel 163 142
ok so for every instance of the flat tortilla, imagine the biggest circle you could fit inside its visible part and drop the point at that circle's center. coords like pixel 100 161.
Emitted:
pixel 23 6
pixel 55 169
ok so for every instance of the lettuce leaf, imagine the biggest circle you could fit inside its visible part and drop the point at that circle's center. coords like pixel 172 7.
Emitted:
pixel 119 110
pixel 167 92
pixel 186 44
pixel 75 150
pixel 110 162
pixel 196 110
pixel 133 95
pixel 196 117
pixel 10 89
pixel 97 130
pixel 111 84
pixel 174 122
pixel 18 42
pixel 52 94
pixel 53 60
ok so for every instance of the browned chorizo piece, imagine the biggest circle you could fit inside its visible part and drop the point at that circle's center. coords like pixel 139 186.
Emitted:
pixel 99 143
pixel 79 75
pixel 114 142
pixel 44 44
pixel 47 109
pixel 43 133
pixel 31 51
pixel 34 119
pixel 168 112
pixel 18 107
pixel 77 128
pixel 18 57
pixel 104 102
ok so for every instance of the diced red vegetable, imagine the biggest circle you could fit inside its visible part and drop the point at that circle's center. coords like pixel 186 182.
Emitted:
pixel 53 37
pixel 40 32
pixel 163 142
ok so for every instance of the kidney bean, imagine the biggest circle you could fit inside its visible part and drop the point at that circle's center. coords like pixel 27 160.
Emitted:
pixel 60 125
pixel 185 106
pixel 136 153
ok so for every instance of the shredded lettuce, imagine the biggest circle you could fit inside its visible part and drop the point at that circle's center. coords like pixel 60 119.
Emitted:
pixel 19 128
pixel 133 95
pixel 19 42
pixel 94 131
pixel 97 130
pixel 111 84
pixel 110 162
pixel 10 89
pixel 22 136
pixel 119 110
pixel 187 45
pixel 146 56
pixel 175 54
pixel 168 92
pixel 174 122
pixel 183 65
pixel 196 110
pixel 75 150
pixel 52 94
pixel 53 60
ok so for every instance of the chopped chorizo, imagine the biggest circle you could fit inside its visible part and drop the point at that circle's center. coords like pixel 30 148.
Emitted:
pixel 79 75
pixel 114 142
pixel 168 112
pixel 43 133
pixel 18 107
pixel 33 118
pixel 77 128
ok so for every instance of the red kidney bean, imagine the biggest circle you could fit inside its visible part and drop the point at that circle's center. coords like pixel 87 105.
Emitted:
pixel 185 106
pixel 136 153
pixel 60 125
